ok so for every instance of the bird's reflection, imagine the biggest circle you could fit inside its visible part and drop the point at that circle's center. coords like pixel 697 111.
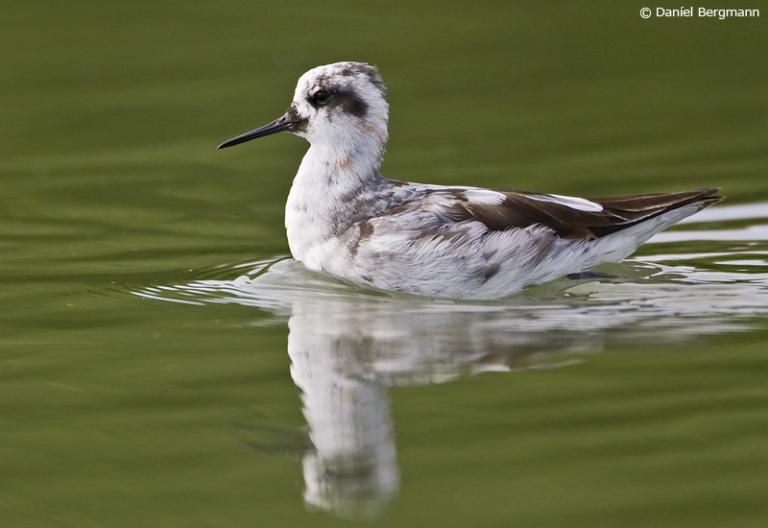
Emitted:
pixel 346 353
pixel 348 347
pixel 352 468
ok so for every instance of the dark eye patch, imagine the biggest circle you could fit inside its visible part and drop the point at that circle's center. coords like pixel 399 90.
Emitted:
pixel 347 100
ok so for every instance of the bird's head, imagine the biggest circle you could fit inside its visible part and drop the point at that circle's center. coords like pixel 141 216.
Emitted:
pixel 340 106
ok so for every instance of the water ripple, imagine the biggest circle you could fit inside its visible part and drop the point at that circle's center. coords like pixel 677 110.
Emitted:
pixel 673 293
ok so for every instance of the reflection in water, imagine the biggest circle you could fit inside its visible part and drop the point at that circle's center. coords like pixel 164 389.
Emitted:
pixel 352 469
pixel 347 346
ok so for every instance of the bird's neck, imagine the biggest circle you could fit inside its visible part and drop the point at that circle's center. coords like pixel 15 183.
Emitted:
pixel 329 174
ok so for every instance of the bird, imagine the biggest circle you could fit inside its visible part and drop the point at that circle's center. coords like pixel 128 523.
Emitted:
pixel 345 219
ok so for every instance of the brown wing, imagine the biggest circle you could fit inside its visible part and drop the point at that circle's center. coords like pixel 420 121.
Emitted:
pixel 523 210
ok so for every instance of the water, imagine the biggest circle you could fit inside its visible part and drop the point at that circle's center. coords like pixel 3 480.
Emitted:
pixel 347 348
pixel 162 362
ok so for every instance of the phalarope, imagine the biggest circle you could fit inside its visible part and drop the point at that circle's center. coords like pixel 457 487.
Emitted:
pixel 345 219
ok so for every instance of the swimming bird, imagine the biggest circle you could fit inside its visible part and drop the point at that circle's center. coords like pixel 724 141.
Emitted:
pixel 344 218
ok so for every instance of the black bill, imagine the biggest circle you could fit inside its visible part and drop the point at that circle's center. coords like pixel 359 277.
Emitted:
pixel 278 125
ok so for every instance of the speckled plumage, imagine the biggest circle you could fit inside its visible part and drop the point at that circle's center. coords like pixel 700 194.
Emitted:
pixel 344 218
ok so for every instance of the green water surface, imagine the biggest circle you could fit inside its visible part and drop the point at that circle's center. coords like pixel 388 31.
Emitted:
pixel 636 400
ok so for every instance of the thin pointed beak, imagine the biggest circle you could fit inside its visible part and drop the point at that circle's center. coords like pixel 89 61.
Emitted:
pixel 283 122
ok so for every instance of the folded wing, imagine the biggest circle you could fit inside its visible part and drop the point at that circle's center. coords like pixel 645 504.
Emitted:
pixel 575 218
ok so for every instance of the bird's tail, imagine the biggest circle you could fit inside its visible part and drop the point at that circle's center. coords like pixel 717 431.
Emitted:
pixel 652 213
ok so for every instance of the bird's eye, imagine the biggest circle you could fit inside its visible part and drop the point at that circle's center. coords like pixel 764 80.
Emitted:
pixel 321 97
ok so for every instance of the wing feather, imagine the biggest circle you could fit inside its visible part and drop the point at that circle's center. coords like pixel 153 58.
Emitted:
pixel 571 218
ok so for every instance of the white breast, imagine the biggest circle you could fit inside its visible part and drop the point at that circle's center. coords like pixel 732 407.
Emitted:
pixel 318 206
